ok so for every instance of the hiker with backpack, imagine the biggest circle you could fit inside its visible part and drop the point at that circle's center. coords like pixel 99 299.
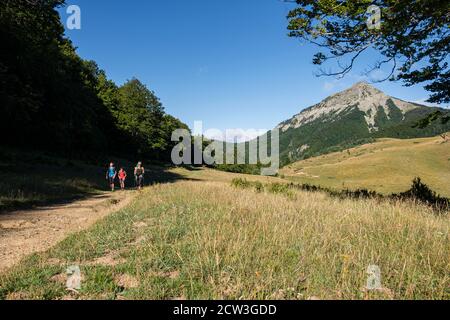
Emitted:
pixel 111 174
pixel 139 172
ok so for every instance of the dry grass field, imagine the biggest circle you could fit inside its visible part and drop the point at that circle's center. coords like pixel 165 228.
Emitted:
pixel 199 237
pixel 387 166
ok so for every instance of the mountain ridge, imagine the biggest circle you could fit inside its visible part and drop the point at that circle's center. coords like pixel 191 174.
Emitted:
pixel 361 89
pixel 352 117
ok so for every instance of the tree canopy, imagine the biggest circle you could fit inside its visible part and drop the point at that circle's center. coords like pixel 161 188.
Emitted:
pixel 52 99
pixel 413 38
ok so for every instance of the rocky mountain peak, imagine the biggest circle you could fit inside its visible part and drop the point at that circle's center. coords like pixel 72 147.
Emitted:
pixel 361 95
pixel 363 85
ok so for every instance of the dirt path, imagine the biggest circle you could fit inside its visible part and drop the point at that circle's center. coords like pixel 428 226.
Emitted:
pixel 25 232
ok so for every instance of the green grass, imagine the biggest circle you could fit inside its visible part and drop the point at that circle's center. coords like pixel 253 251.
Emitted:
pixel 205 239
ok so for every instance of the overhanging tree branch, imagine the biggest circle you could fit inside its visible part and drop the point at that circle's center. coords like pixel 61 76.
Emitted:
pixel 414 36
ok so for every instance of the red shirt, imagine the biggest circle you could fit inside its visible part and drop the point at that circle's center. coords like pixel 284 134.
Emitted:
pixel 122 174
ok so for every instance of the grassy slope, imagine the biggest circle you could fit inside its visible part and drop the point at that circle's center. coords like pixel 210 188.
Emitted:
pixel 387 166
pixel 202 238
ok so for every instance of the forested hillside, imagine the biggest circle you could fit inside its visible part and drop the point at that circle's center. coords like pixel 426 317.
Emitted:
pixel 51 99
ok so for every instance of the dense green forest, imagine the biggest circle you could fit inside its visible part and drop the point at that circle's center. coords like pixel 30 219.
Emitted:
pixel 53 100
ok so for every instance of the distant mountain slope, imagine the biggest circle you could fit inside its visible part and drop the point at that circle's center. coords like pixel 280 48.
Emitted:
pixel 350 118
pixel 386 166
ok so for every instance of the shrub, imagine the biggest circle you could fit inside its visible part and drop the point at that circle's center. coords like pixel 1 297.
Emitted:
pixel 240 183
pixel 280 188
pixel 259 187
pixel 421 192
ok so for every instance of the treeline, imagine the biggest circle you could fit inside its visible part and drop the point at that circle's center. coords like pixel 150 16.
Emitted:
pixel 53 100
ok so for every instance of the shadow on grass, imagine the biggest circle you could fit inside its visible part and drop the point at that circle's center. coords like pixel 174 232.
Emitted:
pixel 34 186
pixel 163 175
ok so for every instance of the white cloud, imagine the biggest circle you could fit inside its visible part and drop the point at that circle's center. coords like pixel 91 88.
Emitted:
pixel 235 135
pixel 329 85
pixel 202 70
pixel 377 75
pixel 425 103
pixel 344 83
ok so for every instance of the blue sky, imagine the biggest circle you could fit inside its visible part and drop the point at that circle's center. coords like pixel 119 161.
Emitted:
pixel 227 63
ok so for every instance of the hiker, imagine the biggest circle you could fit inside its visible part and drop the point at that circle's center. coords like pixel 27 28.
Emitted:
pixel 139 172
pixel 111 175
pixel 122 178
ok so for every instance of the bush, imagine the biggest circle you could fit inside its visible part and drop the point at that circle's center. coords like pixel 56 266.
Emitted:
pixel 422 193
pixel 259 187
pixel 240 183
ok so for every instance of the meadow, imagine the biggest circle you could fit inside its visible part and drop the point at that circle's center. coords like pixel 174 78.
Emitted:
pixel 201 237
pixel 385 166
